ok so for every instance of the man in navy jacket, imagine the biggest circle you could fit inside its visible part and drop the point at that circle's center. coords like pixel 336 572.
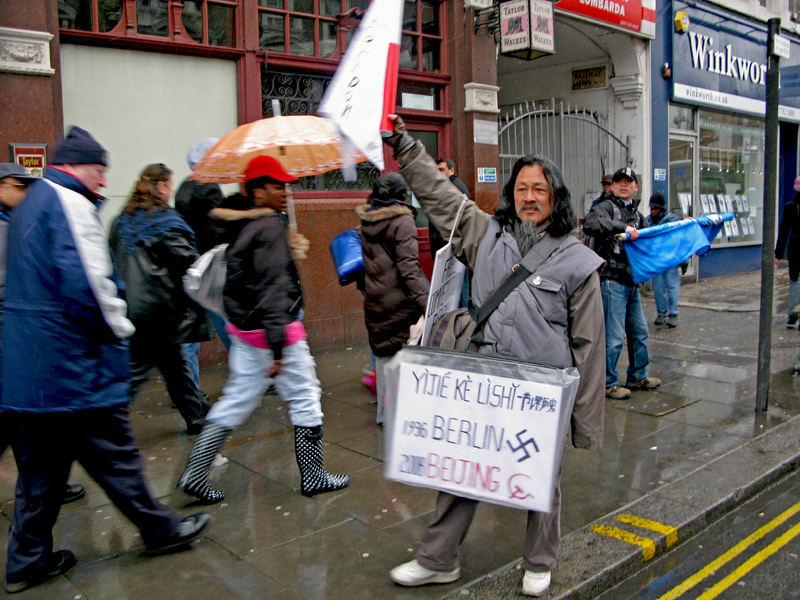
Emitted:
pixel 66 380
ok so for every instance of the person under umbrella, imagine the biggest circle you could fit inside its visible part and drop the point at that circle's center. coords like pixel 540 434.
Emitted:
pixel 264 302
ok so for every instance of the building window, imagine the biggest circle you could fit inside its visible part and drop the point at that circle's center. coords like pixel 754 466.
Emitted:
pixel 79 14
pixel 308 28
pixel 421 43
pixel 301 27
pixel 732 173
pixel 210 22
pixel 152 17
pixel 300 94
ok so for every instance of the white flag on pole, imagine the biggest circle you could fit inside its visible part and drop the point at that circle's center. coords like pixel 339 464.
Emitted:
pixel 364 88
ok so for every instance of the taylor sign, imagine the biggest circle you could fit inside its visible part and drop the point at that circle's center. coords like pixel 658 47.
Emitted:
pixel 478 426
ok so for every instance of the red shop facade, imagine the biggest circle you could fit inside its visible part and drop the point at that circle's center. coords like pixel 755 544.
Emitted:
pixel 150 77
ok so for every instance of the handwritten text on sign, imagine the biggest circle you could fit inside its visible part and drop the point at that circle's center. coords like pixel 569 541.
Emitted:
pixel 475 435
pixel 445 293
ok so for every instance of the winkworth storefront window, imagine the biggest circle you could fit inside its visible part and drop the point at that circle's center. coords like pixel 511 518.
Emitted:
pixel 732 174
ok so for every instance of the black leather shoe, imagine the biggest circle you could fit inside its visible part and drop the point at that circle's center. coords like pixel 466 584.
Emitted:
pixel 188 530
pixel 60 562
pixel 73 491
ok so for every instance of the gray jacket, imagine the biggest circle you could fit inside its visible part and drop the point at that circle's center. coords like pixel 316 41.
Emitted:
pixel 555 317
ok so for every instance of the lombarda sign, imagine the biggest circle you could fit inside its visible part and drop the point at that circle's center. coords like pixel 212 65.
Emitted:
pixel 635 16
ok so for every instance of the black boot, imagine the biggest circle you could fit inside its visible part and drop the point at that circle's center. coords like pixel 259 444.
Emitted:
pixel 314 479
pixel 194 480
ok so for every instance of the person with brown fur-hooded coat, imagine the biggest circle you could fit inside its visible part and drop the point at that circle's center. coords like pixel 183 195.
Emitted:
pixel 395 294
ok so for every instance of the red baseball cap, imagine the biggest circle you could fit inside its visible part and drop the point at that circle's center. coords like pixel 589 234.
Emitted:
pixel 266 166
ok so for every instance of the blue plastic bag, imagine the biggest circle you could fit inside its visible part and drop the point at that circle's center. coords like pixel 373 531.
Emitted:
pixel 346 251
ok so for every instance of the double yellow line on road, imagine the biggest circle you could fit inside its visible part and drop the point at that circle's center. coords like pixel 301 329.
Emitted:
pixel 747 566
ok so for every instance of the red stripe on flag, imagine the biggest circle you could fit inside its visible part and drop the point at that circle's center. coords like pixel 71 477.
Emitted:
pixel 390 86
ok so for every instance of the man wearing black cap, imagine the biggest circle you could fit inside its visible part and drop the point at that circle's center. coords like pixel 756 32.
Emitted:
pixel 622 305
pixel 606 182
pixel 66 385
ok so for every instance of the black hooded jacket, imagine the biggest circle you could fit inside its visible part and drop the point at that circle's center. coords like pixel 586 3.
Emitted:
pixel 603 222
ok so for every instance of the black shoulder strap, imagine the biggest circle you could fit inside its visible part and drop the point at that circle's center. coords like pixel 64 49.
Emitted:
pixel 519 272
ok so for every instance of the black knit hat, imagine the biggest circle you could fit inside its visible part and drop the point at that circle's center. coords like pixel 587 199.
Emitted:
pixel 389 189
pixel 79 148
pixel 657 201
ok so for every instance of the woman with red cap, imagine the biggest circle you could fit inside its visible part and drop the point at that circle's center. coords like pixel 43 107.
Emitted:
pixel 264 302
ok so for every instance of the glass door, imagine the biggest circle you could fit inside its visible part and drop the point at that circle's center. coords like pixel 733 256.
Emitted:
pixel 682 183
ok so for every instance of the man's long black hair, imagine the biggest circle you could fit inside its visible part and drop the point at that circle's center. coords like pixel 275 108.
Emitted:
pixel 563 220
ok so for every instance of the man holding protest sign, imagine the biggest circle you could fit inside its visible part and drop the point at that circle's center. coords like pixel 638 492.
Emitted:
pixel 555 317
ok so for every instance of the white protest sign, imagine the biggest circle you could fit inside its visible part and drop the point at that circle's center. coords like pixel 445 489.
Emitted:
pixel 447 280
pixel 445 293
pixel 484 432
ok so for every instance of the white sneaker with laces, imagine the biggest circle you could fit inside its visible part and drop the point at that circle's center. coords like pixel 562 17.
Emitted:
pixel 412 573
pixel 535 584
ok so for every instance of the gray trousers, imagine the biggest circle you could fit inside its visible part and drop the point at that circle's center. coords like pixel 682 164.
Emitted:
pixel 439 551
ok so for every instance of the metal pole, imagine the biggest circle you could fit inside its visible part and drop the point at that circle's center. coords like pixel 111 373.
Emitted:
pixel 768 234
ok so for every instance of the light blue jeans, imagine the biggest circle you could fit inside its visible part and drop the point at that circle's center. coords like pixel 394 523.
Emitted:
pixel 667 288
pixel 191 349
pixel 219 326
pixel 624 318
pixel 190 355
pixel 297 385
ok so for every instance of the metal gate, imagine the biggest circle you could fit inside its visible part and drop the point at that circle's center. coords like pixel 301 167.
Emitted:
pixel 577 140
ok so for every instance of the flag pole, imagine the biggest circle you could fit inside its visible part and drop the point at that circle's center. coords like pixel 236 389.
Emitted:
pixel 276 112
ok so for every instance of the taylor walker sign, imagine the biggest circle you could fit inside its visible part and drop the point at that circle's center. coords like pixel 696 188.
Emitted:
pixel 478 426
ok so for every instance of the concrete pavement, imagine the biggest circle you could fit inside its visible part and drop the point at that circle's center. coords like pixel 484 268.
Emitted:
pixel 704 413
pixel 679 456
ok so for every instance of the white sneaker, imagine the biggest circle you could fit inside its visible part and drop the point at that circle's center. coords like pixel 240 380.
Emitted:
pixel 535 584
pixel 412 573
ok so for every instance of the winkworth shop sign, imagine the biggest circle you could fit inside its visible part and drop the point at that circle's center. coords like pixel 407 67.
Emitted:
pixel 722 63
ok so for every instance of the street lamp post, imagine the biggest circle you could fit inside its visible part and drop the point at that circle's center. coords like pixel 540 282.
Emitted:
pixel 774 51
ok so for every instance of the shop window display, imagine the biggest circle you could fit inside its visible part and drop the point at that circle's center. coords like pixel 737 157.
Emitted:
pixel 730 170
pixel 732 173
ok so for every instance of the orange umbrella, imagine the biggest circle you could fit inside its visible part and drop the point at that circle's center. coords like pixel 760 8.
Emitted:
pixel 305 145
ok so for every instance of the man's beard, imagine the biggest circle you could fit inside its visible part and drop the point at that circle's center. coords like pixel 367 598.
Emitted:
pixel 527 233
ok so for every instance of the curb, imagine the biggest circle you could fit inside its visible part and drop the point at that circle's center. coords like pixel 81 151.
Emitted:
pixel 591 562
